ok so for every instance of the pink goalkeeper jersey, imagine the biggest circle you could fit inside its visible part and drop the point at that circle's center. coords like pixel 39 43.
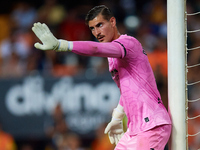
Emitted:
pixel 130 69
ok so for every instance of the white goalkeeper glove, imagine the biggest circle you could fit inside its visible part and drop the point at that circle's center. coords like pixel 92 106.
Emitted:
pixel 115 127
pixel 49 42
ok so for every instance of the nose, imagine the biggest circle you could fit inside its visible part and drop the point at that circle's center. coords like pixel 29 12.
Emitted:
pixel 97 32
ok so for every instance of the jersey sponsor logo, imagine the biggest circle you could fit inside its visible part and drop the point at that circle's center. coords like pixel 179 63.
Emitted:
pixel 113 72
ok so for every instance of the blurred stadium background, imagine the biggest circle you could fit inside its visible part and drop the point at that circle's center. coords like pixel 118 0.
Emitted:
pixel 55 101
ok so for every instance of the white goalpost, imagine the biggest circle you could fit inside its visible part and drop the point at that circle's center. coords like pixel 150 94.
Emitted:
pixel 177 77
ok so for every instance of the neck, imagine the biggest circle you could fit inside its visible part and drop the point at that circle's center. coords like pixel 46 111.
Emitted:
pixel 116 35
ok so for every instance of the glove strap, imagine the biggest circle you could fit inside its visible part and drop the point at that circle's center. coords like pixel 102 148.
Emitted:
pixel 64 45
pixel 113 118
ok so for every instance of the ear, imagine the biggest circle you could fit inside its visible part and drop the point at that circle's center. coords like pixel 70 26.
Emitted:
pixel 113 21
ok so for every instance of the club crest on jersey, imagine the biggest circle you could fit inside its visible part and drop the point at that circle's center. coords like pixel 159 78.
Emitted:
pixel 144 52
pixel 159 100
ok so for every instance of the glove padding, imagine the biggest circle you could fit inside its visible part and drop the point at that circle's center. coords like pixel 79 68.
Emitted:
pixel 115 127
pixel 49 42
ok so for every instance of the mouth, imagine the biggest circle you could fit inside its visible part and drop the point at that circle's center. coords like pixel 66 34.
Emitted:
pixel 100 38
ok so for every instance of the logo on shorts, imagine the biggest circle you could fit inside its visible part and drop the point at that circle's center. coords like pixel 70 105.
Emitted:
pixel 146 119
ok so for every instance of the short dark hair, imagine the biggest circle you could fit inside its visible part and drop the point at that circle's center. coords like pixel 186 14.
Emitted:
pixel 95 11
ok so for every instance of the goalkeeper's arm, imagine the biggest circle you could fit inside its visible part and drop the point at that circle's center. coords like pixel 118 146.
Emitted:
pixel 87 48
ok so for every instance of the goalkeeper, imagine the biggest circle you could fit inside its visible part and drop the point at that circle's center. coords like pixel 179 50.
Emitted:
pixel 149 124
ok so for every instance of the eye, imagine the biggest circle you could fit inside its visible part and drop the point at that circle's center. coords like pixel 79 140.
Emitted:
pixel 99 25
pixel 91 28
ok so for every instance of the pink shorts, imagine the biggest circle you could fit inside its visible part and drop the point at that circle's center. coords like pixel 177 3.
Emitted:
pixel 153 139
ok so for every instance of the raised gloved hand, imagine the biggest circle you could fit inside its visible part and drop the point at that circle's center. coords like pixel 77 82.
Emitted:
pixel 49 42
pixel 115 127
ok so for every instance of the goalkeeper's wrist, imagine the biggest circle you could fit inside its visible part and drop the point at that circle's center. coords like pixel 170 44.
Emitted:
pixel 64 45
pixel 118 113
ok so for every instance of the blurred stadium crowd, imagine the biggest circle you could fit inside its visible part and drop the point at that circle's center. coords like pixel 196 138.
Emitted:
pixel 145 20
